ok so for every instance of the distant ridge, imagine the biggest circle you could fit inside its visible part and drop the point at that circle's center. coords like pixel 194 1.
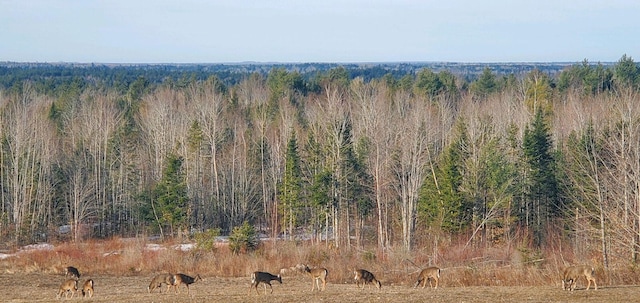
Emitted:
pixel 231 73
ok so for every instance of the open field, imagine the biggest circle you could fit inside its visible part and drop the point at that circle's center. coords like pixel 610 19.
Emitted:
pixel 35 287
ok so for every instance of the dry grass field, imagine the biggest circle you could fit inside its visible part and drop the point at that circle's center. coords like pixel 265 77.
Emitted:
pixel 123 268
pixel 35 287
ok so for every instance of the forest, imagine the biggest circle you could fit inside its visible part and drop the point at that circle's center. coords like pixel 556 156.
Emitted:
pixel 379 159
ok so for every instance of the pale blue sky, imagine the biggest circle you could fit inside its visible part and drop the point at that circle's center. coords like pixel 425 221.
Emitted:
pixel 201 31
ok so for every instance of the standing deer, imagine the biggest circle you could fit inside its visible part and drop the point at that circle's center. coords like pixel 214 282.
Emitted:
pixel 160 279
pixel 179 279
pixel 573 273
pixel 71 271
pixel 87 288
pixel 366 277
pixel 68 286
pixel 428 274
pixel 265 278
pixel 317 275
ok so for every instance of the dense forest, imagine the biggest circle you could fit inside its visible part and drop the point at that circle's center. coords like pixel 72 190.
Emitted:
pixel 387 155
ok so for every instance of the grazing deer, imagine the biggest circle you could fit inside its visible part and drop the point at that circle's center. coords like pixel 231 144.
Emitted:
pixel 573 273
pixel 87 288
pixel 265 278
pixel 160 279
pixel 68 286
pixel 366 277
pixel 179 279
pixel 317 275
pixel 71 271
pixel 428 274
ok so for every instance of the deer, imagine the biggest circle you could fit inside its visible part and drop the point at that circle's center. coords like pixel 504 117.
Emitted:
pixel 428 274
pixel 179 279
pixel 68 286
pixel 160 279
pixel 366 277
pixel 258 277
pixel 71 271
pixel 317 275
pixel 573 273
pixel 87 288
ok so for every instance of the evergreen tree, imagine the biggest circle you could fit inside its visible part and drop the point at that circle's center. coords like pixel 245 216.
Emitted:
pixel 320 181
pixel 542 203
pixel 169 196
pixel 441 202
pixel 339 76
pixel 428 83
pixel 290 193
pixel 626 72
pixel 485 85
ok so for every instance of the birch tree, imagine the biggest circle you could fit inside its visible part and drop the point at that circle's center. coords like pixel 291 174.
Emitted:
pixel 410 159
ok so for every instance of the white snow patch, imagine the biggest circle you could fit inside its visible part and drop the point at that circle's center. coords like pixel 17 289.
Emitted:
pixel 154 247
pixel 4 256
pixel 184 247
pixel 41 246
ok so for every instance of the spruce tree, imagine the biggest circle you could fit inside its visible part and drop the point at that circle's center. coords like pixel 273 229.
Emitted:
pixel 170 195
pixel 542 203
pixel 291 186
pixel 441 201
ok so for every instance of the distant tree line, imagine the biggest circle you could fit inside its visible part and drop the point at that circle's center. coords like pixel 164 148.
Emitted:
pixel 391 161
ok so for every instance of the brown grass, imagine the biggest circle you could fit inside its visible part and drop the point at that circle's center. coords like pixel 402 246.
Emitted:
pixel 461 266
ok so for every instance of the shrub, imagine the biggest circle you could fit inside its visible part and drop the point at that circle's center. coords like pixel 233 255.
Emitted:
pixel 243 238
pixel 206 240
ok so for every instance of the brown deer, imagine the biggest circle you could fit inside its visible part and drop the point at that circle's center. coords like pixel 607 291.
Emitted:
pixel 68 286
pixel 179 279
pixel 71 271
pixel 317 275
pixel 265 278
pixel 573 273
pixel 87 288
pixel 366 277
pixel 160 279
pixel 428 274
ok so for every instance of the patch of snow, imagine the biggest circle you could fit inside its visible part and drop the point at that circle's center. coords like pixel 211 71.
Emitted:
pixel 154 247
pixel 41 246
pixel 4 256
pixel 184 247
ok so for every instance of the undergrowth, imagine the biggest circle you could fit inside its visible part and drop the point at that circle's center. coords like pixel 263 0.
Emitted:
pixel 461 265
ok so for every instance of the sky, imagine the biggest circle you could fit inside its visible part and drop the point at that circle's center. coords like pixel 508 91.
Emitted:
pixel 338 31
